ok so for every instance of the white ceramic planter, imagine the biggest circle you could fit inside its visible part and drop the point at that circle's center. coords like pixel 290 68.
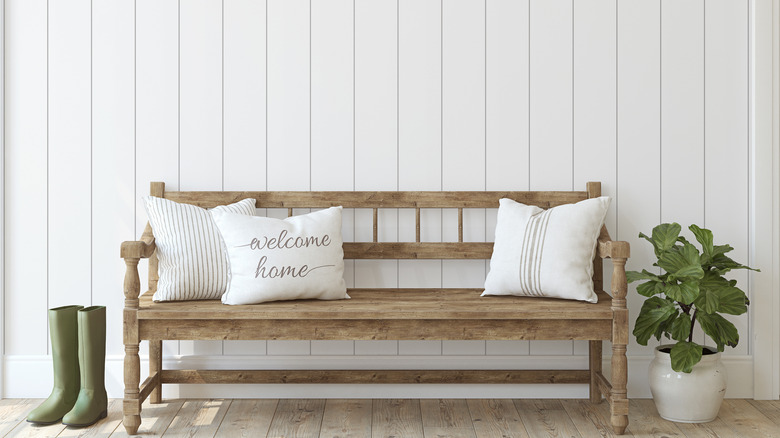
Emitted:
pixel 683 397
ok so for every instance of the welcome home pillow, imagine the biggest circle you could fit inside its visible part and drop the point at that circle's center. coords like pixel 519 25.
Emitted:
pixel 192 261
pixel 273 259
pixel 546 253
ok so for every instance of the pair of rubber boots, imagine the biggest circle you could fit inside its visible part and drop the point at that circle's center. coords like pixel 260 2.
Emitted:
pixel 78 346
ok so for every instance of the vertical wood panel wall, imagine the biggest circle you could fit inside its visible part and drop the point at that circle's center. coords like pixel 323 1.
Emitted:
pixel 648 96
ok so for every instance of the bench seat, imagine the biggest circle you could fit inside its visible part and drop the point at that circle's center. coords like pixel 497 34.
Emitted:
pixel 388 304
pixel 381 314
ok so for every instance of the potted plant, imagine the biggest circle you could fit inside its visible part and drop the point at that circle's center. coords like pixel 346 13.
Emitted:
pixel 688 380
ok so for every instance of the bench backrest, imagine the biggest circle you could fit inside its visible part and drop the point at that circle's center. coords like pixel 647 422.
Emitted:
pixel 393 200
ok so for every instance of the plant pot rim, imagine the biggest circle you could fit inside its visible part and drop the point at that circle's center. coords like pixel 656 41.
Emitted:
pixel 704 358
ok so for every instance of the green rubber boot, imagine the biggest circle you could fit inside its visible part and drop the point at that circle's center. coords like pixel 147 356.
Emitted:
pixel 64 348
pixel 92 402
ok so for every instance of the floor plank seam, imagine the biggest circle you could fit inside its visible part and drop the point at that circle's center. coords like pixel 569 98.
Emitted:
pixel 173 417
pixel 221 420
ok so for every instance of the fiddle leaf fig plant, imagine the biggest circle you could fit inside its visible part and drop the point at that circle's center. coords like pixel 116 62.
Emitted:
pixel 691 288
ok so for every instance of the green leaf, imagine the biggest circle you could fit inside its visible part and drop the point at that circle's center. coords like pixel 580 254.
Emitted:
pixel 690 291
pixel 690 253
pixel 722 263
pixel 719 329
pixel 650 288
pixel 665 235
pixel 685 355
pixel 713 281
pixel 682 239
pixel 654 311
pixel 681 328
pixel 684 292
pixel 690 271
pixel 704 237
pixel 720 295
pixel 673 291
pixel 682 262
pixel 732 301
pixel 665 325
pixel 708 300
pixel 721 249
pixel 633 276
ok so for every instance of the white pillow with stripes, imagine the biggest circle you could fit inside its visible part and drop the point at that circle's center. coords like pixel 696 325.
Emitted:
pixel 193 264
pixel 546 253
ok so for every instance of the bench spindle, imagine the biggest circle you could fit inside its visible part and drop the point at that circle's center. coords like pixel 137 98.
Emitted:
pixel 376 225
pixel 417 225
pixel 460 225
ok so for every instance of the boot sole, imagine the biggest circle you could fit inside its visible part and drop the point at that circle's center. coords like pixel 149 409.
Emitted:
pixel 102 415
pixel 45 423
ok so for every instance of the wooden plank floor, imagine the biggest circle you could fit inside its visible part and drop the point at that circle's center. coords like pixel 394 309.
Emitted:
pixel 384 418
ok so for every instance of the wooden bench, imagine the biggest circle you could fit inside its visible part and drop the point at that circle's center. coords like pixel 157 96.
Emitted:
pixel 374 314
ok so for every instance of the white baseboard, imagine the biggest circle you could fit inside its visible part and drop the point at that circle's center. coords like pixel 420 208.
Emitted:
pixel 30 376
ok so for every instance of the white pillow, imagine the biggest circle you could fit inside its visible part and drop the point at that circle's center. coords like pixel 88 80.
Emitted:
pixel 546 253
pixel 273 259
pixel 192 258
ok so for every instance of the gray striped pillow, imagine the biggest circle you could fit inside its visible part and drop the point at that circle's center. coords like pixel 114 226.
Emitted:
pixel 193 262
pixel 546 253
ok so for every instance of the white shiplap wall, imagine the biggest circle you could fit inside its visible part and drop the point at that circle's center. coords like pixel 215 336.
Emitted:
pixel 650 97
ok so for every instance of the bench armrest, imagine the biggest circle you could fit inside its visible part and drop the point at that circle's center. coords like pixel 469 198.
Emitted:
pixel 608 248
pixel 139 249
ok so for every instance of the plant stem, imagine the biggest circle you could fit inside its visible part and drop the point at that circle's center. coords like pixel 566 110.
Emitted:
pixel 693 321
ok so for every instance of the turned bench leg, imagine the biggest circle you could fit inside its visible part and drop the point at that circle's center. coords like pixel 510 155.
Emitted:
pixel 155 367
pixel 595 368
pixel 131 407
pixel 619 399
pixel 619 407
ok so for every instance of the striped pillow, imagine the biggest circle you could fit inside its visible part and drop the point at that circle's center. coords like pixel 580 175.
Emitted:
pixel 193 263
pixel 546 253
